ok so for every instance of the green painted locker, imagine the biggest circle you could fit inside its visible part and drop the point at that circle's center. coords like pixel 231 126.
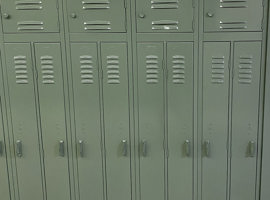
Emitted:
pixel 4 182
pixel 24 16
pixel 52 118
pixel 97 16
pixel 25 135
pixel 88 144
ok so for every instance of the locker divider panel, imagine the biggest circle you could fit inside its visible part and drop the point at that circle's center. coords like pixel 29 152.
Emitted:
pixel 24 120
pixel 52 111
pixel 87 119
pixel 151 120
pixel 180 119
pixel 247 62
pixel 216 57
pixel 116 119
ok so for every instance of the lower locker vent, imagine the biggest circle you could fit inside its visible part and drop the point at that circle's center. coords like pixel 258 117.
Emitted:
pixel 233 25
pixel 113 72
pixel 47 69
pixel 217 74
pixel 30 26
pixel 97 25
pixel 165 25
pixel 245 70
pixel 152 69
pixel 20 65
pixel 86 65
pixel 178 69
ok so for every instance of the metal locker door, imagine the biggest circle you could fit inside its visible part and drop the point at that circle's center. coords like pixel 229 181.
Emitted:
pixel 216 56
pixel 164 15
pixel 246 83
pixel 97 15
pixel 116 120
pixel 228 15
pixel 151 120
pixel 30 16
pixel 87 119
pixel 180 119
pixel 24 120
pixel 52 114
pixel 4 182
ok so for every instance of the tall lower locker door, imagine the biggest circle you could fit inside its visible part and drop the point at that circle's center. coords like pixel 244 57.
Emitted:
pixel 216 56
pixel 24 120
pixel 180 119
pixel 246 84
pixel 87 120
pixel 4 182
pixel 116 120
pixel 52 113
pixel 151 120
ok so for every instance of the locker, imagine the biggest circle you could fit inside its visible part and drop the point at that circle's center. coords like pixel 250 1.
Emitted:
pixel 52 111
pixel 216 59
pixel 23 16
pixel 97 16
pixel 115 82
pixel 164 16
pixel 25 134
pixel 88 132
pixel 151 120
pixel 4 182
pixel 227 15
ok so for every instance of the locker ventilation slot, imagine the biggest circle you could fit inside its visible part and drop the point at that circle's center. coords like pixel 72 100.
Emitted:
pixel 28 5
pixel 161 4
pixel 178 69
pixel 165 25
pixel 113 73
pixel 233 4
pixel 94 4
pixel 218 70
pixel 97 25
pixel 233 25
pixel 152 69
pixel 30 26
pixel 21 73
pixel 245 70
pixel 47 69
pixel 86 62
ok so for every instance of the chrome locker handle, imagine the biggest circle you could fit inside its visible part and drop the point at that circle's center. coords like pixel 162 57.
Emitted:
pixel 81 148
pixel 61 148
pixel 1 148
pixel 187 148
pixel 252 148
pixel 207 148
pixel 144 148
pixel 19 148
pixel 124 148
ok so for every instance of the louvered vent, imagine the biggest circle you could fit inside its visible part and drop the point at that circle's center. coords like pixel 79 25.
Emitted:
pixel 30 26
pixel 245 70
pixel 163 4
pixel 97 25
pixel 233 25
pixel 86 62
pixel 21 73
pixel 233 4
pixel 113 73
pixel 165 25
pixel 178 69
pixel 28 5
pixel 47 69
pixel 95 4
pixel 152 69
pixel 218 70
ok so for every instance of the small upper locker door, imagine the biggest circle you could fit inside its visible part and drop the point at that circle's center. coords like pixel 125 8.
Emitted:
pixel 164 15
pixel 97 15
pixel 233 15
pixel 30 16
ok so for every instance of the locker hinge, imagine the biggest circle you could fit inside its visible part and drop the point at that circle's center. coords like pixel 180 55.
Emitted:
pixel 57 4
pixel 125 4
pixel 263 23
pixel 193 3
pixel 101 73
pixel 193 25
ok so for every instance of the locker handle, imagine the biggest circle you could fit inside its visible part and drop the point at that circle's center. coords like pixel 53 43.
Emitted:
pixel 207 148
pixel 81 148
pixel 187 148
pixel 124 148
pixel 61 148
pixel 19 148
pixel 252 148
pixel 1 148
pixel 144 148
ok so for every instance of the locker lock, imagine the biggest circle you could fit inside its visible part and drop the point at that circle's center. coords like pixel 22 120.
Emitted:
pixel 73 15
pixel 6 16
pixel 209 14
pixel 142 15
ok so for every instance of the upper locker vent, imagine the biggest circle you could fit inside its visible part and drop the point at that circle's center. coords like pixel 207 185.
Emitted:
pixel 245 69
pixel 21 73
pixel 161 4
pixel 152 69
pixel 217 72
pixel 233 4
pixel 178 69
pixel 86 62
pixel 28 5
pixel 47 69
pixel 113 72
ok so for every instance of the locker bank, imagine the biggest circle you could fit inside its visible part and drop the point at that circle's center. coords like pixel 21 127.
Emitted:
pixel 134 100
